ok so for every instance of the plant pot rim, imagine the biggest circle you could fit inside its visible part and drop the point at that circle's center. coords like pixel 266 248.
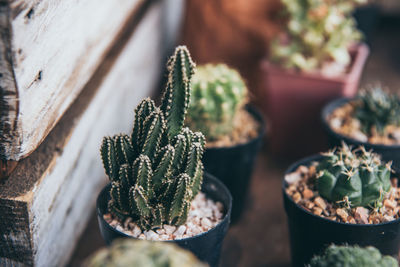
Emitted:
pixel 305 161
pixel 256 114
pixel 361 51
pixel 219 184
pixel 330 107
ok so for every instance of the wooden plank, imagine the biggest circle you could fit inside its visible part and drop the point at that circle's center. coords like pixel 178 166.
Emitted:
pixel 52 192
pixel 48 51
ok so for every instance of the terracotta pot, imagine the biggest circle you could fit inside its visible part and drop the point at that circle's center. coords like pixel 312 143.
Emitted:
pixel 294 101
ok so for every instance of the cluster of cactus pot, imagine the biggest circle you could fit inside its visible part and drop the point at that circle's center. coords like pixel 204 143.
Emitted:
pixel 128 252
pixel 377 109
pixel 157 171
pixel 354 177
pixel 352 256
pixel 218 93
pixel 317 32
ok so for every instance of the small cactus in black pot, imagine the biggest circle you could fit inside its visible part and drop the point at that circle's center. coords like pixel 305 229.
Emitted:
pixel 157 171
pixel 377 109
pixel 357 177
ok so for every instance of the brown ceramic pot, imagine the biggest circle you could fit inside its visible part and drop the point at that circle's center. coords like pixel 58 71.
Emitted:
pixel 295 99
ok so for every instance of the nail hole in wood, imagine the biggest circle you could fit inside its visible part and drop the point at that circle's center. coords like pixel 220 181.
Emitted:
pixel 30 13
pixel 39 76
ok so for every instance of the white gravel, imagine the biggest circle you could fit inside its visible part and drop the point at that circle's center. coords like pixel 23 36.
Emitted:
pixel 204 214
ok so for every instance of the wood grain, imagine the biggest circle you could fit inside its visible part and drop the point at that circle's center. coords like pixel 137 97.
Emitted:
pixel 45 200
pixel 49 49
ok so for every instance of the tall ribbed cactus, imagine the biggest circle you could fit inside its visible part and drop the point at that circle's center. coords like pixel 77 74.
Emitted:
pixel 157 171
pixel 219 92
pixel 133 253
pixel 378 108
pixel 357 177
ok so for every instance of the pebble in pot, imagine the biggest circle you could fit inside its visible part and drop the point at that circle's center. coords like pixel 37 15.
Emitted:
pixel 233 130
pixel 371 119
pixel 156 174
pixel 344 196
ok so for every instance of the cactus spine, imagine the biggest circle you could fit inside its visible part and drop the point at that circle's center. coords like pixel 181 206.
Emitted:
pixel 128 252
pixel 377 109
pixel 219 92
pixel 356 177
pixel 157 171
pixel 352 256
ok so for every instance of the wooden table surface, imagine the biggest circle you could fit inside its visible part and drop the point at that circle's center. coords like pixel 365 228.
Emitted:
pixel 260 238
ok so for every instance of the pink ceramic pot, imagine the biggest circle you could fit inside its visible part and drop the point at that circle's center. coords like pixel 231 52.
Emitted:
pixel 295 99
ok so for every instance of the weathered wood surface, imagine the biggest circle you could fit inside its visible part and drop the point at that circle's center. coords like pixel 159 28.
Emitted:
pixel 47 200
pixel 48 51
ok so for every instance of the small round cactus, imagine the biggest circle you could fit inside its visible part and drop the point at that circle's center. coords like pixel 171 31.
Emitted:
pixel 352 256
pixel 133 253
pixel 377 109
pixel 218 93
pixel 354 177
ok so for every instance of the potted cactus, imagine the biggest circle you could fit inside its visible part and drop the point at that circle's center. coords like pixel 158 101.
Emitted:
pixel 132 253
pixel 345 196
pixel 233 130
pixel 352 256
pixel 371 119
pixel 157 190
pixel 318 57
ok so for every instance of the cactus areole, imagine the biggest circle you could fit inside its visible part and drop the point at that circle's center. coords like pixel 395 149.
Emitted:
pixel 354 177
pixel 157 171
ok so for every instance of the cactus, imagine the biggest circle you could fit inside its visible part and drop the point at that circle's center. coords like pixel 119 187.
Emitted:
pixel 157 171
pixel 128 252
pixel 357 177
pixel 316 33
pixel 352 256
pixel 219 92
pixel 377 109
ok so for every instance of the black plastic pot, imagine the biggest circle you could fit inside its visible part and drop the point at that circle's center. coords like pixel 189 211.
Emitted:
pixel 206 246
pixel 234 165
pixel 310 234
pixel 388 152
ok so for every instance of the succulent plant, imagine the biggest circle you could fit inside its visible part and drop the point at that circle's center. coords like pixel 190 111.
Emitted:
pixel 355 177
pixel 218 93
pixel 133 253
pixel 157 171
pixel 352 256
pixel 317 32
pixel 377 109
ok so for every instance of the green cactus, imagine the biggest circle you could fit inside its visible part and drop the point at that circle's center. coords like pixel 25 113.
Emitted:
pixel 317 32
pixel 157 171
pixel 129 252
pixel 352 256
pixel 357 177
pixel 219 92
pixel 377 109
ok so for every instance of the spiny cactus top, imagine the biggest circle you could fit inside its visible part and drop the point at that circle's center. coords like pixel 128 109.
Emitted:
pixel 129 252
pixel 317 32
pixel 378 108
pixel 157 171
pixel 352 256
pixel 355 177
pixel 218 93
